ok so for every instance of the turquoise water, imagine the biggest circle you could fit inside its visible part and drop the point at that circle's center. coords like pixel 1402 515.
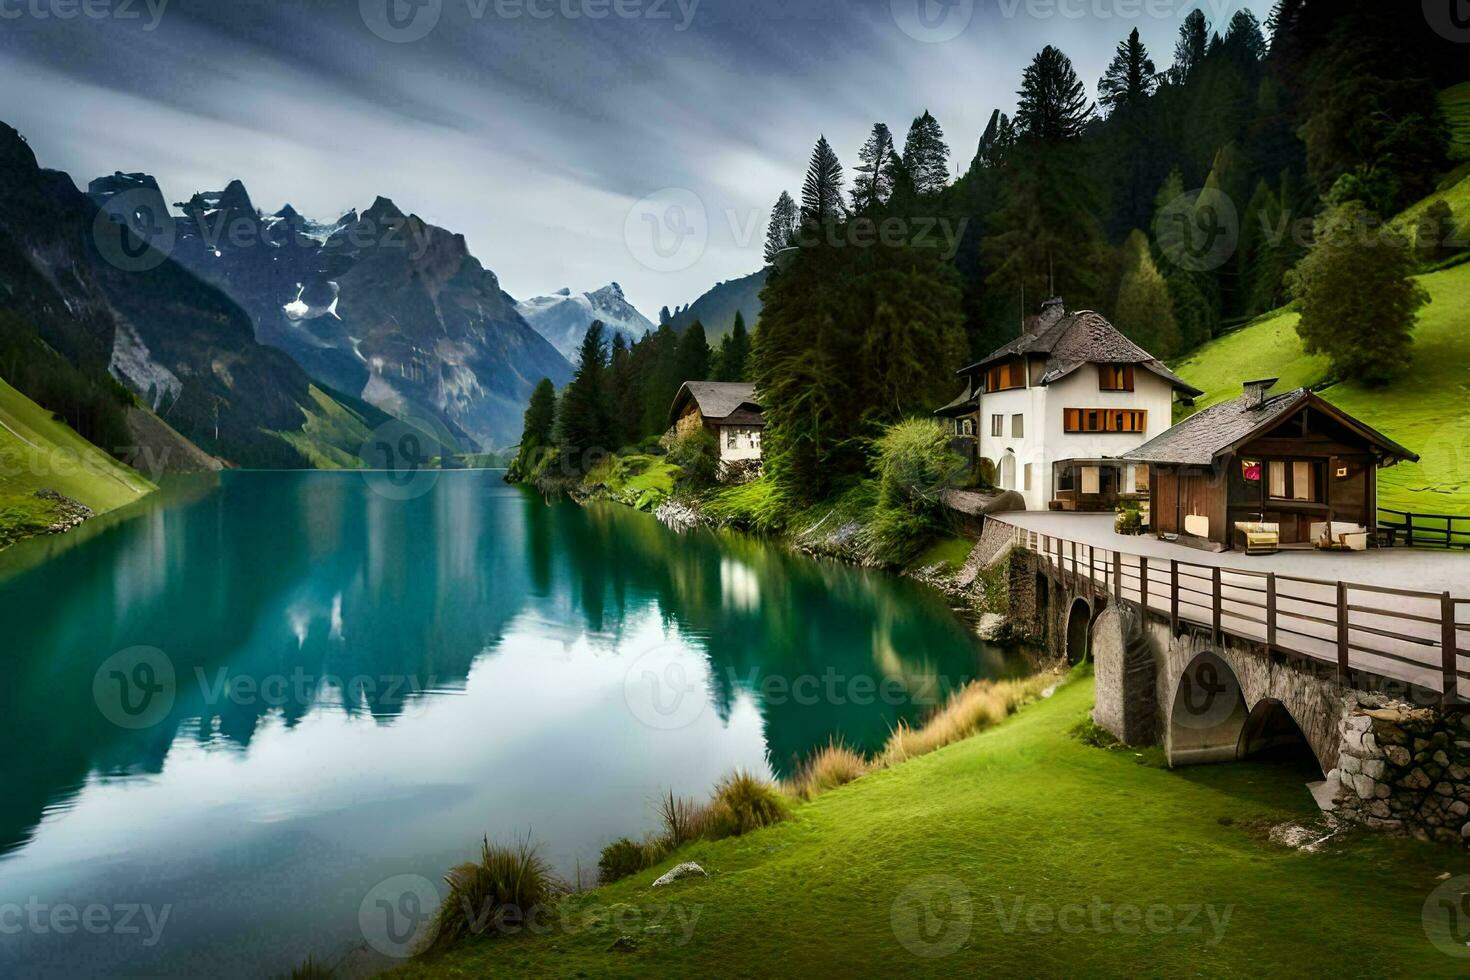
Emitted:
pixel 243 709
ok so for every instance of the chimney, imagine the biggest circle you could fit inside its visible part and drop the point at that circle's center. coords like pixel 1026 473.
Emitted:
pixel 1255 391
pixel 1052 311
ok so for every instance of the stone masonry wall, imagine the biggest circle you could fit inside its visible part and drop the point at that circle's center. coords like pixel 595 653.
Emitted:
pixel 1404 768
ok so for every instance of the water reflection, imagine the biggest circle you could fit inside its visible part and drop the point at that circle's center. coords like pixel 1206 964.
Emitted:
pixel 366 686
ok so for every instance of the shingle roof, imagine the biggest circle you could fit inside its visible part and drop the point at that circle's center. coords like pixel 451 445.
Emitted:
pixel 1082 338
pixel 1199 439
pixel 715 399
pixel 964 401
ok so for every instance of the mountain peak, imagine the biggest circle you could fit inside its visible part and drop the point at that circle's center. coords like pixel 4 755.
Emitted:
pixel 564 291
pixel 383 209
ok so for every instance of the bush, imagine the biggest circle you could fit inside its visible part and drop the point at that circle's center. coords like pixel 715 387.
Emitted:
pixel 481 893
pixel 915 467
pixel 834 766
pixel 752 506
pixel 697 455
pixel 743 803
pixel 1129 519
pixel 625 856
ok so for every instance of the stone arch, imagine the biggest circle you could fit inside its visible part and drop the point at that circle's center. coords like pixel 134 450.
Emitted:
pixel 1079 631
pixel 1207 713
pixel 1269 728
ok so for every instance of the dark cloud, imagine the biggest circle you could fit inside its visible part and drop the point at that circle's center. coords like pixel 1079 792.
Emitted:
pixel 532 135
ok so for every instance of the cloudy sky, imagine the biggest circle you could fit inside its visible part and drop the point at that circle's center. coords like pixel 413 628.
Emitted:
pixel 573 142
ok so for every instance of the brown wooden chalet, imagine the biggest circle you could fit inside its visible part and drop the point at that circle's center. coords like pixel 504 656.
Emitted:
pixel 1291 460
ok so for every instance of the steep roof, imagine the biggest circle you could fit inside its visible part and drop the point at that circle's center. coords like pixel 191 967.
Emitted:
pixel 1071 340
pixel 1206 435
pixel 715 399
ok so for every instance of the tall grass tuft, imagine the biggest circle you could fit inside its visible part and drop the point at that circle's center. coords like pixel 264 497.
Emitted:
pixel 506 881
pixel 310 969
pixel 833 766
pixel 684 820
pixel 743 803
pixel 971 709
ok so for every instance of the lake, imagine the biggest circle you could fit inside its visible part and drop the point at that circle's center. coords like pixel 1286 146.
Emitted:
pixel 238 718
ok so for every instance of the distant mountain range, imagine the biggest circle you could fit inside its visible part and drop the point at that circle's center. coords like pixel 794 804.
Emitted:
pixel 381 304
pixel 563 317
pixel 98 295
pixel 716 309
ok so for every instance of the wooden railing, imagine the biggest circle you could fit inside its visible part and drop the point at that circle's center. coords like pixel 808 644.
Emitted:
pixel 1426 530
pixel 1418 638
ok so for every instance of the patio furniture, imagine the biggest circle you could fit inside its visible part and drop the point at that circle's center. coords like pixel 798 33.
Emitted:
pixel 1340 536
pixel 1258 537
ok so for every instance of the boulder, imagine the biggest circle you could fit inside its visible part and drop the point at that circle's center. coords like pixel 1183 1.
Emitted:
pixel 679 872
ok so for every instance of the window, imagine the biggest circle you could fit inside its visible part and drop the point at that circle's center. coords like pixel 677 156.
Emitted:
pixel 755 439
pixel 1018 426
pixel 1002 377
pixel 1140 478
pixel 1091 479
pixel 1105 420
pixel 1027 478
pixel 1296 480
pixel 1115 377
pixel 997 425
pixel 730 437
pixel 967 427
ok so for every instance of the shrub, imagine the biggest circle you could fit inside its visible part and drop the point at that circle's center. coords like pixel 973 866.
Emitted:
pixel 697 455
pixel 971 709
pixel 833 766
pixel 625 856
pixel 1129 519
pixel 743 803
pixel 753 506
pixel 481 893
pixel 1090 733
pixel 915 467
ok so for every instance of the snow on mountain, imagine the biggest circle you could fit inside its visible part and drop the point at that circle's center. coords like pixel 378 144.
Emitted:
pixel 563 317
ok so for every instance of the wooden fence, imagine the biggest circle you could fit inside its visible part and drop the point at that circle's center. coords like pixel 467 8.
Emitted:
pixel 1418 638
pixel 1426 530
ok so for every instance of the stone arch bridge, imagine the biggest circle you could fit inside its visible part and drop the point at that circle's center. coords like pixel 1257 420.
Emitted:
pixel 1218 665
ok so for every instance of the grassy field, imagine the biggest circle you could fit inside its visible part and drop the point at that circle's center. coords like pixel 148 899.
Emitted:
pixel 639 480
pixel 1427 410
pixel 332 435
pixel 39 453
pixel 1019 851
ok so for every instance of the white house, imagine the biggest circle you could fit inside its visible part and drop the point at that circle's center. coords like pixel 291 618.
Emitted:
pixel 728 410
pixel 1056 408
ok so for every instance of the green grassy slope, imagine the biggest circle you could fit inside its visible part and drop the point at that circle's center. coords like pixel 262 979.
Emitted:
pixel 1456 105
pixel 1427 410
pixel 1021 819
pixel 38 453
pixel 332 435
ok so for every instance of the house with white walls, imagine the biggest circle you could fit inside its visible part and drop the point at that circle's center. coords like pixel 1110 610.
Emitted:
pixel 1056 409
pixel 728 411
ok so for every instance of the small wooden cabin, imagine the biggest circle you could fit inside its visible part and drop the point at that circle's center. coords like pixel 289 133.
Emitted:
pixel 1291 459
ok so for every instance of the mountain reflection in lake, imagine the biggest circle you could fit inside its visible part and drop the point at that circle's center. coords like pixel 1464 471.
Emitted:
pixel 362 687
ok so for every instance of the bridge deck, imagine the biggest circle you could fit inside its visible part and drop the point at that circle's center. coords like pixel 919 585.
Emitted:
pixel 1391 601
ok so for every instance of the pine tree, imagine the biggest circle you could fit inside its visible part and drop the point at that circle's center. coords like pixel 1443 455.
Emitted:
pixel 1130 79
pixel 1358 301
pixel 661 377
pixel 664 316
pixel 585 419
pixel 1244 40
pixel 734 352
pixel 1144 310
pixel 1191 48
pixel 693 355
pixel 874 181
pixel 821 192
pixel 926 156
pixel 995 142
pixel 782 229
pixel 540 415
pixel 1052 105
pixel 624 396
